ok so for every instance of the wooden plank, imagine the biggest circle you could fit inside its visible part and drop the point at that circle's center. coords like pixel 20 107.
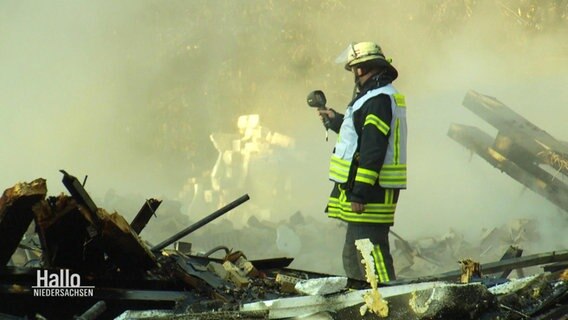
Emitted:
pixel 144 214
pixel 82 197
pixel 123 245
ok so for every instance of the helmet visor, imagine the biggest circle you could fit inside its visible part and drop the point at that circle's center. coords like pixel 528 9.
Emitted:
pixel 343 57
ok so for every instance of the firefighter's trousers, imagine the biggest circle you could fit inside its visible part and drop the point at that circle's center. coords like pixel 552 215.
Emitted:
pixel 378 234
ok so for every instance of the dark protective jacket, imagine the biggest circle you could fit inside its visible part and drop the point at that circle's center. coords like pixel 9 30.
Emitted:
pixel 375 126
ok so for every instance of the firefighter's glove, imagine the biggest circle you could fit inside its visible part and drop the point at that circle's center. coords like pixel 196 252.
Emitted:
pixel 326 116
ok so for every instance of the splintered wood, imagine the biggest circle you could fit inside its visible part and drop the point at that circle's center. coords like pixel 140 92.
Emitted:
pixel 61 228
pixel 16 213
pixel 123 245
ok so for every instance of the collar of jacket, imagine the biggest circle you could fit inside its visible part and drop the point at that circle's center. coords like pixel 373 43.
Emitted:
pixel 374 82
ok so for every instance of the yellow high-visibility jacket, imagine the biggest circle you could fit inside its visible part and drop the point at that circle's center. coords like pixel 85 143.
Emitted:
pixel 368 164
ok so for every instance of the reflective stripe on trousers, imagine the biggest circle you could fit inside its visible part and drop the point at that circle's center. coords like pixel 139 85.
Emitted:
pixel 378 234
pixel 380 266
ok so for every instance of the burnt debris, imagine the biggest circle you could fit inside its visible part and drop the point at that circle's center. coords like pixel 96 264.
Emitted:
pixel 522 150
pixel 122 276
pixel 64 257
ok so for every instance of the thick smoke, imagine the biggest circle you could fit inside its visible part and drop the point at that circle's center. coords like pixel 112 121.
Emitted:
pixel 128 92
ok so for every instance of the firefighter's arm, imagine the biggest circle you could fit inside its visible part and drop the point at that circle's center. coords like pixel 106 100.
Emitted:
pixel 376 117
pixel 335 118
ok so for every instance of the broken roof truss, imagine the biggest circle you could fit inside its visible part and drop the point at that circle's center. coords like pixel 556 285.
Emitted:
pixel 521 149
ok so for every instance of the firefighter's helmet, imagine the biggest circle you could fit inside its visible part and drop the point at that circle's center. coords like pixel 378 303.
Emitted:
pixel 366 52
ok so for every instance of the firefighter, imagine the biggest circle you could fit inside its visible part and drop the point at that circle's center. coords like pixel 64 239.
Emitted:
pixel 368 164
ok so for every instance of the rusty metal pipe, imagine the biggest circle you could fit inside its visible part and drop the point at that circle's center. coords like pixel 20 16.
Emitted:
pixel 200 223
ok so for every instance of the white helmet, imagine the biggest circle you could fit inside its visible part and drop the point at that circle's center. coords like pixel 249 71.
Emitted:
pixel 360 52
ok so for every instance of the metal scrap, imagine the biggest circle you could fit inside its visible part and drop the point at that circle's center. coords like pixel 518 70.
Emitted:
pixel 136 280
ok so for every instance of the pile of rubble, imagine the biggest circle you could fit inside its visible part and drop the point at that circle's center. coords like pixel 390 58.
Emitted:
pixel 46 242
pixel 64 257
pixel 433 255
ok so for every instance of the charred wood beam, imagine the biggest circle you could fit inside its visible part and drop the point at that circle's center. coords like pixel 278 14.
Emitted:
pixel 536 296
pixel 521 131
pixel 122 245
pixel 560 293
pixel 201 223
pixel 518 138
pixel 63 230
pixel 109 233
pixel 536 179
pixel 144 214
pixel 16 214
pixel 80 195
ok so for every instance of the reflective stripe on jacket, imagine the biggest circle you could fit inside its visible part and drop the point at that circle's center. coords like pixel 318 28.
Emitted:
pixel 380 209
pixel 393 171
